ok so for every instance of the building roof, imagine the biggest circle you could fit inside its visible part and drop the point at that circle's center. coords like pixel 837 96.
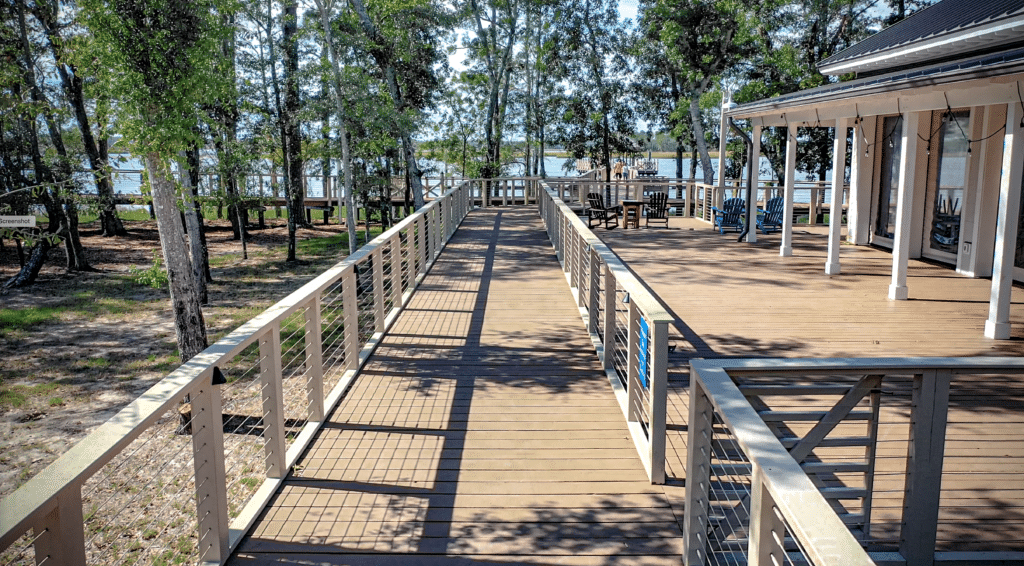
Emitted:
pixel 1007 62
pixel 948 29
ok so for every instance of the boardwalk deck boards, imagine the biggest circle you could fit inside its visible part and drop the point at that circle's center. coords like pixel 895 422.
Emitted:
pixel 483 430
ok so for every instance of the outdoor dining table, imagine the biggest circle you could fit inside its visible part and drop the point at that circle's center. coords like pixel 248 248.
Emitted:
pixel 631 210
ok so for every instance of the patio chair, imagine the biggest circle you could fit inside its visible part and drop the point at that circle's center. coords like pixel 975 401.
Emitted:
pixel 730 215
pixel 657 210
pixel 770 219
pixel 598 211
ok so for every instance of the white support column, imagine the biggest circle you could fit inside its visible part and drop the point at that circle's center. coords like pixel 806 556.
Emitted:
pixel 835 212
pixel 786 249
pixel 755 157
pixel 858 216
pixel 998 324
pixel 986 177
pixel 905 207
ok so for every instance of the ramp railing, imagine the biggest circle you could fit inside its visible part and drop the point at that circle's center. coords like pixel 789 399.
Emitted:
pixel 182 472
pixel 628 325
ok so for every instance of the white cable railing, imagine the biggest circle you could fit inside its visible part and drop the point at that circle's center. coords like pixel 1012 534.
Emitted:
pixel 627 324
pixel 182 472
pixel 798 461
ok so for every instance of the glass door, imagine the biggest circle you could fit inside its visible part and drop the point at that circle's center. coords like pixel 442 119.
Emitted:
pixel 888 184
pixel 946 192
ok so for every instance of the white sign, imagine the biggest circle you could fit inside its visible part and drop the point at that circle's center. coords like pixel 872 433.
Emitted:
pixel 17 221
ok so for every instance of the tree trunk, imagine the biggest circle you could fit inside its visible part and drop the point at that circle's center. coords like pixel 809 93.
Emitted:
pixel 698 138
pixel 679 157
pixel 189 325
pixel 73 86
pixel 293 147
pixel 193 172
pixel 194 231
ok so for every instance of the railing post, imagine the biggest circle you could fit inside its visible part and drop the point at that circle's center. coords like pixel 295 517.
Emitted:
pixel 699 436
pixel 60 535
pixel 446 220
pixel 582 262
pixel 632 366
pixel 658 398
pixel 925 451
pixel 608 324
pixel 211 479
pixel 421 245
pixel 350 314
pixel 767 531
pixel 314 361
pixel 593 305
pixel 273 401
pixel 396 271
pixel 378 289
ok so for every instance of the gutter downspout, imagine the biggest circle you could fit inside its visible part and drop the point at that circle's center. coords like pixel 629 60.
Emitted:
pixel 750 176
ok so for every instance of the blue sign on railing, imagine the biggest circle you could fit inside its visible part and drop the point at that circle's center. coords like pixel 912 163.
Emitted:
pixel 644 333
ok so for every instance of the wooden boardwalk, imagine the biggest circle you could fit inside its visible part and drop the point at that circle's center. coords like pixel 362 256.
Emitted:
pixel 743 300
pixel 483 430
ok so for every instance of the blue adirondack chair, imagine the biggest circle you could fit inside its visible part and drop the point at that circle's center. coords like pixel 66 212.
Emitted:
pixel 770 218
pixel 730 215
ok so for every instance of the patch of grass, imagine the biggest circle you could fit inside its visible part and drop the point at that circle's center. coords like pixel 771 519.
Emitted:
pixel 12 398
pixel 97 363
pixel 17 396
pixel 56 402
pixel 13 320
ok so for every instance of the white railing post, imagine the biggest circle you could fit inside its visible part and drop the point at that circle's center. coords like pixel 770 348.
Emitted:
pixel 314 361
pixel 582 262
pixel 421 246
pixel 210 475
pixel 593 305
pixel 350 314
pixel 60 535
pixel 396 271
pixel 608 324
pixel 273 401
pixel 658 398
pixel 699 437
pixel 767 531
pixel 925 451
pixel 632 366
pixel 378 289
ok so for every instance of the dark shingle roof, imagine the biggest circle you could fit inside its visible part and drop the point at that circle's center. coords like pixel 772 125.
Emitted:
pixel 937 24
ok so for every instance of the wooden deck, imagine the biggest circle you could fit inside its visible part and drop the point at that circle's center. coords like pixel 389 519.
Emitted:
pixel 743 300
pixel 482 430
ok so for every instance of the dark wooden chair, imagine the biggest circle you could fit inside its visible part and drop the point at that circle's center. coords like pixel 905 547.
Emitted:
pixel 596 210
pixel 730 215
pixel 770 218
pixel 657 210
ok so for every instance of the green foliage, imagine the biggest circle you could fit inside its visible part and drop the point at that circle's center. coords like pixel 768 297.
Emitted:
pixel 157 59
pixel 154 276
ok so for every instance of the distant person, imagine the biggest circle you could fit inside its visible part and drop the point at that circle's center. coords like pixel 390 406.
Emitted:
pixel 617 170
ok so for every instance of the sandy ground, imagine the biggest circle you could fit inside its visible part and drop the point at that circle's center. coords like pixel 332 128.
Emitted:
pixel 113 338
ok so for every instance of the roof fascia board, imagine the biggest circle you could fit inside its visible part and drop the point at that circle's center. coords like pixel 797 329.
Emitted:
pixel 875 102
pixel 873 60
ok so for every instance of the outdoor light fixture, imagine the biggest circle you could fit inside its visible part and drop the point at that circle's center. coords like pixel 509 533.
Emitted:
pixel 625 299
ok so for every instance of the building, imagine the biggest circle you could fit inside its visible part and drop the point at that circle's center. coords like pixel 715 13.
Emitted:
pixel 938 143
